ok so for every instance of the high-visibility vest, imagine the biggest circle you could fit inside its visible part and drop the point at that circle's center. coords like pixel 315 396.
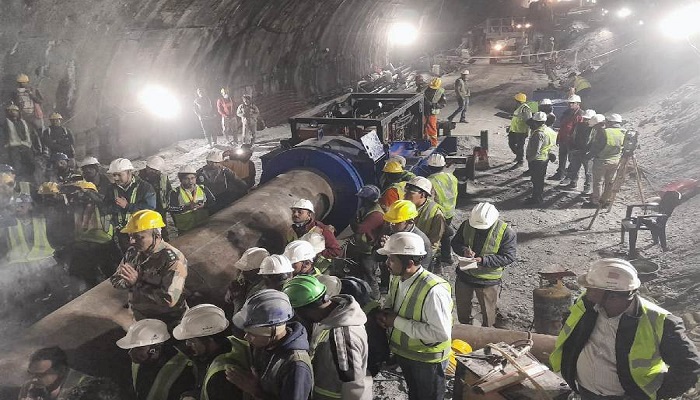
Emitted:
pixel 321 263
pixel 270 380
pixel 239 357
pixel 14 138
pixel 490 247
pixel 550 139
pixel 20 250
pixel 412 308
pixel 166 377
pixel 445 186
pixel 434 101
pixel 163 191
pixel 90 226
pixel 581 83
pixel 327 385
pixel 644 359
pixel 517 124
pixel 426 214
pixel 189 219
pixel 400 189
pixel 123 216
pixel 614 140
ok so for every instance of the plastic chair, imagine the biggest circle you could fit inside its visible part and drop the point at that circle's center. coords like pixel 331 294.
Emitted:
pixel 653 218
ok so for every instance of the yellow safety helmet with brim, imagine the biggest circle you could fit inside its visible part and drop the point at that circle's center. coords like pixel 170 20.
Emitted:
pixel 85 185
pixel 400 211
pixel 143 220
pixel 435 83
pixel 521 97
pixel 393 167
pixel 55 116
pixel 22 78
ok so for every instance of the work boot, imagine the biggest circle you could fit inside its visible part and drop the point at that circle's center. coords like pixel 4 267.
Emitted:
pixel 566 182
pixel 463 121
pixel 556 177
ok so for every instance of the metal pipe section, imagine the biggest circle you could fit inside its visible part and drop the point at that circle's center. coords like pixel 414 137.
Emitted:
pixel 87 327
pixel 478 337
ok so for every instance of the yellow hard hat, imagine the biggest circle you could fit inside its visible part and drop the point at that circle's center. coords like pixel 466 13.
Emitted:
pixel 55 115
pixel 143 220
pixel 393 167
pixel 11 107
pixel 521 97
pixel 85 185
pixel 400 211
pixel 22 78
pixel 459 347
pixel 435 83
pixel 49 188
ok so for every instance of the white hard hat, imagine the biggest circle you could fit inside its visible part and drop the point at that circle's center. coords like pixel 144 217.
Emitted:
pixel 588 114
pixel 299 250
pixel 574 98
pixel 611 274
pixel 483 216
pixel 332 283
pixel 275 264
pixel 187 169
pixel 422 183
pixel 436 160
pixel 465 72
pixel 215 156
pixel 539 116
pixel 201 320
pixel 120 165
pixel 403 243
pixel 400 159
pixel 303 204
pixel 317 241
pixel 88 161
pixel 155 162
pixel 598 118
pixel 251 259
pixel 144 333
pixel 617 118
pixel 545 102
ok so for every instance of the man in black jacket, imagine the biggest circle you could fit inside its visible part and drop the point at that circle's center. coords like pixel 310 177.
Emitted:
pixel 617 345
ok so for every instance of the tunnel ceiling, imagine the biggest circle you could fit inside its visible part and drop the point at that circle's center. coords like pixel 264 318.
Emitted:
pixel 90 57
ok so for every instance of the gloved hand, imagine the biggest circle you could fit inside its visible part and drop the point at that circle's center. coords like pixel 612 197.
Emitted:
pixel 552 157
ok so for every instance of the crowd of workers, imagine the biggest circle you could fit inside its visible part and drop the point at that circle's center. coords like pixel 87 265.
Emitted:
pixel 235 132
pixel 294 325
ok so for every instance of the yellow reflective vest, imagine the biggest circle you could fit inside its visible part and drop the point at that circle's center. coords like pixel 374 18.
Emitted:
pixel 445 187
pixel 550 139
pixel 189 219
pixel 90 226
pixel 491 246
pixel 614 140
pixel 517 123
pixel 645 363
pixel 166 377
pixel 581 83
pixel 239 357
pixel 21 251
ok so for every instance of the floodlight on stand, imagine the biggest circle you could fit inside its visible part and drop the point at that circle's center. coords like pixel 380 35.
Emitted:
pixel 403 33
pixel 159 101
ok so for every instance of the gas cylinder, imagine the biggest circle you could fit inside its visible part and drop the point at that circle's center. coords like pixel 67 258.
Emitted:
pixel 551 302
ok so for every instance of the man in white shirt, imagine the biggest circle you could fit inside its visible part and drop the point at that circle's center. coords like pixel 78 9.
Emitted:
pixel 418 316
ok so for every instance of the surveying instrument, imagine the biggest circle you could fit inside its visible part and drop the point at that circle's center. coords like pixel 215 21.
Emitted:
pixel 610 193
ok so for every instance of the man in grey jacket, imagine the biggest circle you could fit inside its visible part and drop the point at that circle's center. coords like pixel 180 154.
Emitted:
pixel 463 93
pixel 339 348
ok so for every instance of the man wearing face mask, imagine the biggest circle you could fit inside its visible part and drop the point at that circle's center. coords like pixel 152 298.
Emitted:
pixel 189 204
pixel 304 222
pixel 52 378
pixel 152 270
pixel 159 371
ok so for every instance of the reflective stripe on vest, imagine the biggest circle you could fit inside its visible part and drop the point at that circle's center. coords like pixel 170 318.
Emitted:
pixel 124 216
pixel 188 219
pixel 445 186
pixel 412 308
pixel 168 374
pixel 426 213
pixel 239 356
pixel 491 246
pixel 91 227
pixel 517 124
pixel 646 365
pixel 436 98
pixel 270 379
pixel 14 138
pixel 19 248
pixel 320 392
pixel 400 190
pixel 614 139
pixel 550 139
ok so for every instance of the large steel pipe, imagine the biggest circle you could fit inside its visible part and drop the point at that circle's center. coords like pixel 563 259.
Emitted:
pixel 88 326
pixel 478 337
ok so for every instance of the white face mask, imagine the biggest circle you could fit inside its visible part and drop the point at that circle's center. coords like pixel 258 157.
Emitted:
pixel 226 96
pixel 21 90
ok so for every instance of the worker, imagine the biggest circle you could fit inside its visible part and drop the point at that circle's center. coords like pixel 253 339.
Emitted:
pixel 519 130
pixel 275 270
pixel 605 151
pixel 51 376
pixel 445 188
pixel 301 255
pixel 404 175
pixel 281 363
pixel 249 114
pixel 578 148
pixel 92 172
pixel 249 281
pixel 159 370
pixel 27 239
pixel 491 243
pixel 569 119
pixel 580 86
pixel 420 83
pixel 58 139
pixel 59 170
pixel 434 101
pixel 51 202
pixel 418 317
pixel 20 144
pixel 7 196
pixel 128 194
pixel 462 93
pixel 430 219
pixel 29 100
pixel 366 228
pixel 539 153
pixel 223 184
pixel 189 204
pixel 204 110
pixel 238 161
pixel 304 223
pixel 229 122
pixel 339 348
pixel 547 107
pixel 152 270
pixel 616 344
pixel 395 179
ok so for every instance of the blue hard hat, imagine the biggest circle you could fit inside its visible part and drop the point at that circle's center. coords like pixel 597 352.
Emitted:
pixel 369 192
pixel 267 307
pixel 59 157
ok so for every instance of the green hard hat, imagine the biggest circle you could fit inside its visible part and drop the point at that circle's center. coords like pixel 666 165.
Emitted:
pixel 304 290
